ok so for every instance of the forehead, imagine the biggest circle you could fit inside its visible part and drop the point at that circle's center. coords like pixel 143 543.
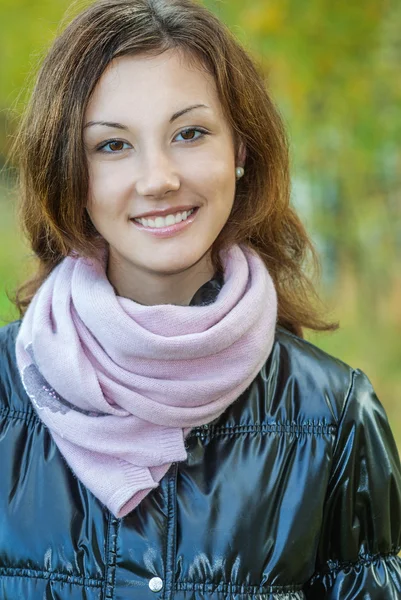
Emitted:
pixel 150 84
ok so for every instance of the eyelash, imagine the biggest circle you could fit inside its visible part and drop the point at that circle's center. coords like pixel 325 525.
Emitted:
pixel 203 133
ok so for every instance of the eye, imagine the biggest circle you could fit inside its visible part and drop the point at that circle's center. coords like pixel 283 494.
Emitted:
pixel 113 146
pixel 190 131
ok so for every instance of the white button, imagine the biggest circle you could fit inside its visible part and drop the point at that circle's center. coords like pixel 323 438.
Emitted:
pixel 155 584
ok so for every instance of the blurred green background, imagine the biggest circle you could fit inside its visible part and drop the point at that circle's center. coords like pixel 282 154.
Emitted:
pixel 334 71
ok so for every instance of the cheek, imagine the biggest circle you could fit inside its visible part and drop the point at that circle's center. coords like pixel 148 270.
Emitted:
pixel 106 190
pixel 217 178
pixel 221 186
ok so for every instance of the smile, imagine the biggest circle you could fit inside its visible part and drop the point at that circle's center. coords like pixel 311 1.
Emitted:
pixel 164 226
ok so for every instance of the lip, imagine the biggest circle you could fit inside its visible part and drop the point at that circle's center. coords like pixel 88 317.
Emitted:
pixel 163 232
pixel 163 212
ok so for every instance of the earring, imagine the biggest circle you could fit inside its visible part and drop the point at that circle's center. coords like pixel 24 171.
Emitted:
pixel 239 171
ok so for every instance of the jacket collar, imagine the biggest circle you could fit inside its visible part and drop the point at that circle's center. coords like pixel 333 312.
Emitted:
pixel 208 292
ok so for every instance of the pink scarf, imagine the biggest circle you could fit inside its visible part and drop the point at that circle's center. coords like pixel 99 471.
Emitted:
pixel 120 385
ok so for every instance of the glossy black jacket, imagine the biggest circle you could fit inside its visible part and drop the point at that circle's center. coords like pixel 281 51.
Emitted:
pixel 293 493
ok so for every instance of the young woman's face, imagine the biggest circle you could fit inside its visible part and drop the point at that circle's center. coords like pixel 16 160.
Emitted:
pixel 144 155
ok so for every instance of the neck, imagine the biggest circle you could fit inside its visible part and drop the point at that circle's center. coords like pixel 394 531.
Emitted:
pixel 151 288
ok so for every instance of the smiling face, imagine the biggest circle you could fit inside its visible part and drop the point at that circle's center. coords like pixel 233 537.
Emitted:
pixel 147 151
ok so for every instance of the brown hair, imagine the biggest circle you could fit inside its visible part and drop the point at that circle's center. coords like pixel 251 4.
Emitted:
pixel 51 157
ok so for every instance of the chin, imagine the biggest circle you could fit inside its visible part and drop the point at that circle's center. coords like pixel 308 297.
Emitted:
pixel 170 267
pixel 175 261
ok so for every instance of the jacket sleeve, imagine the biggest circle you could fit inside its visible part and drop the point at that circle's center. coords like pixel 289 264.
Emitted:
pixel 361 528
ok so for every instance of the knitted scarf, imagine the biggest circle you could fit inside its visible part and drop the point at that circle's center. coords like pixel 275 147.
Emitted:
pixel 120 385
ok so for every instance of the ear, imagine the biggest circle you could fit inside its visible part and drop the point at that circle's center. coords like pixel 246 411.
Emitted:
pixel 241 157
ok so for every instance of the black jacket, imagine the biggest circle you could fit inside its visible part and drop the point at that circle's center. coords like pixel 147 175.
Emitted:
pixel 293 493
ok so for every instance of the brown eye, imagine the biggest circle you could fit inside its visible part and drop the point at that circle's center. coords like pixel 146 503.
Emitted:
pixel 116 146
pixel 192 134
pixel 113 146
pixel 188 134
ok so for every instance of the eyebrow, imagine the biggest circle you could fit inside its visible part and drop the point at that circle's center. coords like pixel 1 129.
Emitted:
pixel 120 126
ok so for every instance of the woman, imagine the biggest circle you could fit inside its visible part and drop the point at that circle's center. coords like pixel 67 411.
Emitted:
pixel 166 430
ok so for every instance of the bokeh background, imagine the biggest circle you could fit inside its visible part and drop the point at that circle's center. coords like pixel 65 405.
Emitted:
pixel 334 71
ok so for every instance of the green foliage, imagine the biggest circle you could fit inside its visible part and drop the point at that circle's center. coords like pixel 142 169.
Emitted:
pixel 13 267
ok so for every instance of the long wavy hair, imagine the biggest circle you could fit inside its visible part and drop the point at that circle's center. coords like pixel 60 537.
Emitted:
pixel 53 172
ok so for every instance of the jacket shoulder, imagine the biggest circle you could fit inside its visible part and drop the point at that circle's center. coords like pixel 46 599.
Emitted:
pixel 300 349
pixel 8 335
pixel 12 393
pixel 321 381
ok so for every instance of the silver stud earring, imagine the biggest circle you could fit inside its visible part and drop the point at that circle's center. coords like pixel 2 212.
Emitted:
pixel 239 171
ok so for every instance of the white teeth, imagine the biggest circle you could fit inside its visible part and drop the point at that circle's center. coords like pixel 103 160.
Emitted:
pixel 170 220
pixel 165 221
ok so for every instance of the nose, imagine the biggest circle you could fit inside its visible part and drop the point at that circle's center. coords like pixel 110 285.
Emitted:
pixel 157 176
